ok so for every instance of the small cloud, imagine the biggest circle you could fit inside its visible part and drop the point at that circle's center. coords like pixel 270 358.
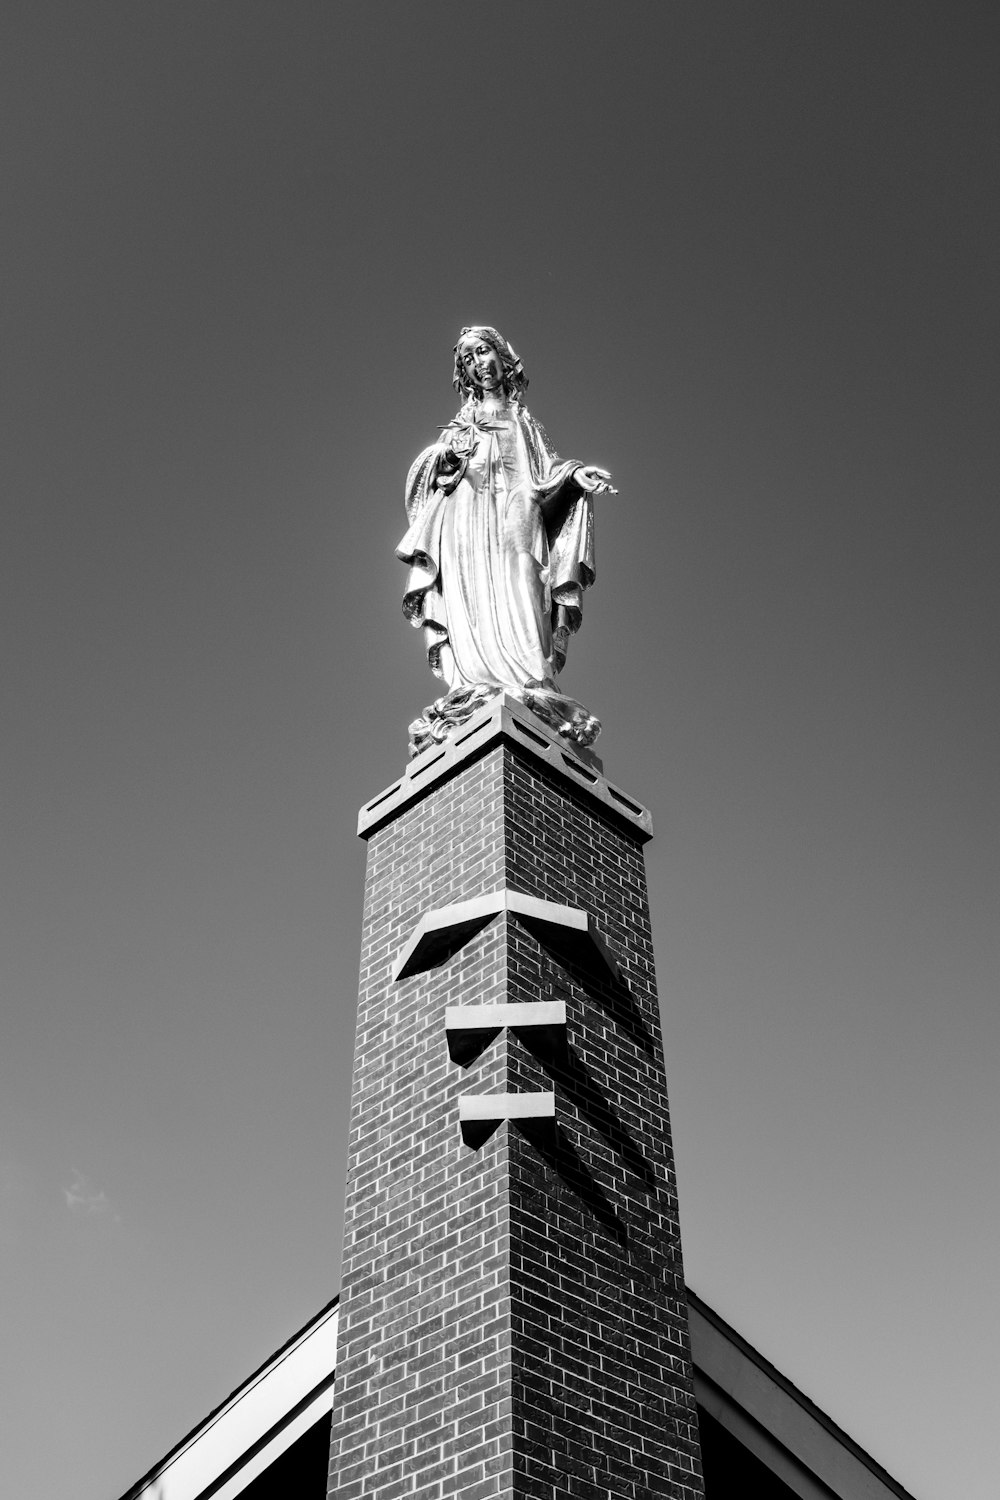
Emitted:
pixel 83 1198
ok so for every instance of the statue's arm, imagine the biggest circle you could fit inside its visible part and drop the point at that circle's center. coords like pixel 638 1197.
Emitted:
pixel 570 482
pixel 560 482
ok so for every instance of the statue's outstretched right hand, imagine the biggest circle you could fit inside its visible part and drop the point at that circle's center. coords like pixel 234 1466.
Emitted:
pixel 594 480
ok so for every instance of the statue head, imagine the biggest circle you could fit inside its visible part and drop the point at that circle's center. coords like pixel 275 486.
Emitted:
pixel 514 379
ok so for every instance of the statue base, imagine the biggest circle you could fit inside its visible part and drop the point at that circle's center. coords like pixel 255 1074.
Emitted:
pixel 564 716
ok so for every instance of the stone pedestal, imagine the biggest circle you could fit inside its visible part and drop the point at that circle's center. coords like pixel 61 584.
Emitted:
pixel 513 1317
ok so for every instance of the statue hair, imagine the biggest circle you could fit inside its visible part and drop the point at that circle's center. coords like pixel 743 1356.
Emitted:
pixel 514 379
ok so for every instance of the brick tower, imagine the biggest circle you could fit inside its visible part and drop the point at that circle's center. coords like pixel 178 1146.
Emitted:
pixel 513 1313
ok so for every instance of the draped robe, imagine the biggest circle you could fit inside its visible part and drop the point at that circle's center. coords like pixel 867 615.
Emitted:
pixel 499 554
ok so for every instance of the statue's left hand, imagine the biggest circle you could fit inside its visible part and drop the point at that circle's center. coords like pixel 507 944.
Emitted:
pixel 594 480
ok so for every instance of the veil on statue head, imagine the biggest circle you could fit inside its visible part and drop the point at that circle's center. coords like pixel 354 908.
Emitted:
pixel 515 379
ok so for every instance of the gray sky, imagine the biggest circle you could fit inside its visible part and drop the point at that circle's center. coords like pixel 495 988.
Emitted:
pixel 748 254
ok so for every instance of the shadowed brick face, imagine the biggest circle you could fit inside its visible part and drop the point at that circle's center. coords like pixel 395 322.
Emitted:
pixel 513 1314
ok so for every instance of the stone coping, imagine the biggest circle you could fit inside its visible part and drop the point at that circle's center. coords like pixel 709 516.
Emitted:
pixel 504 718
pixel 506 1106
pixel 443 930
pixel 519 1014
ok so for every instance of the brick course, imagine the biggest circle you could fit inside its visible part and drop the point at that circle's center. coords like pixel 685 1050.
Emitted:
pixel 513 1317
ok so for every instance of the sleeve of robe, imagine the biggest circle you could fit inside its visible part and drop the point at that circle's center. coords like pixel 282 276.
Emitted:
pixel 420 548
pixel 569 522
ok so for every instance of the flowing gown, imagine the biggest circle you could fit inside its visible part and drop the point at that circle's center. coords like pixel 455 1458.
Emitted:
pixel 499 554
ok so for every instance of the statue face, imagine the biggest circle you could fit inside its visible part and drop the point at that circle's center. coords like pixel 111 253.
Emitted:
pixel 482 364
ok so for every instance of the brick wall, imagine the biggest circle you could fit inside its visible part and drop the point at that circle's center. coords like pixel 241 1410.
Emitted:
pixel 513 1317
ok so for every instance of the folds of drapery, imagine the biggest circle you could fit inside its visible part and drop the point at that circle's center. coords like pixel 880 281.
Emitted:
pixel 497 551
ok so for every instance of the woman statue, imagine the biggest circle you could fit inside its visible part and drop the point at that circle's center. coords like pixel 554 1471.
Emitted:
pixel 500 548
